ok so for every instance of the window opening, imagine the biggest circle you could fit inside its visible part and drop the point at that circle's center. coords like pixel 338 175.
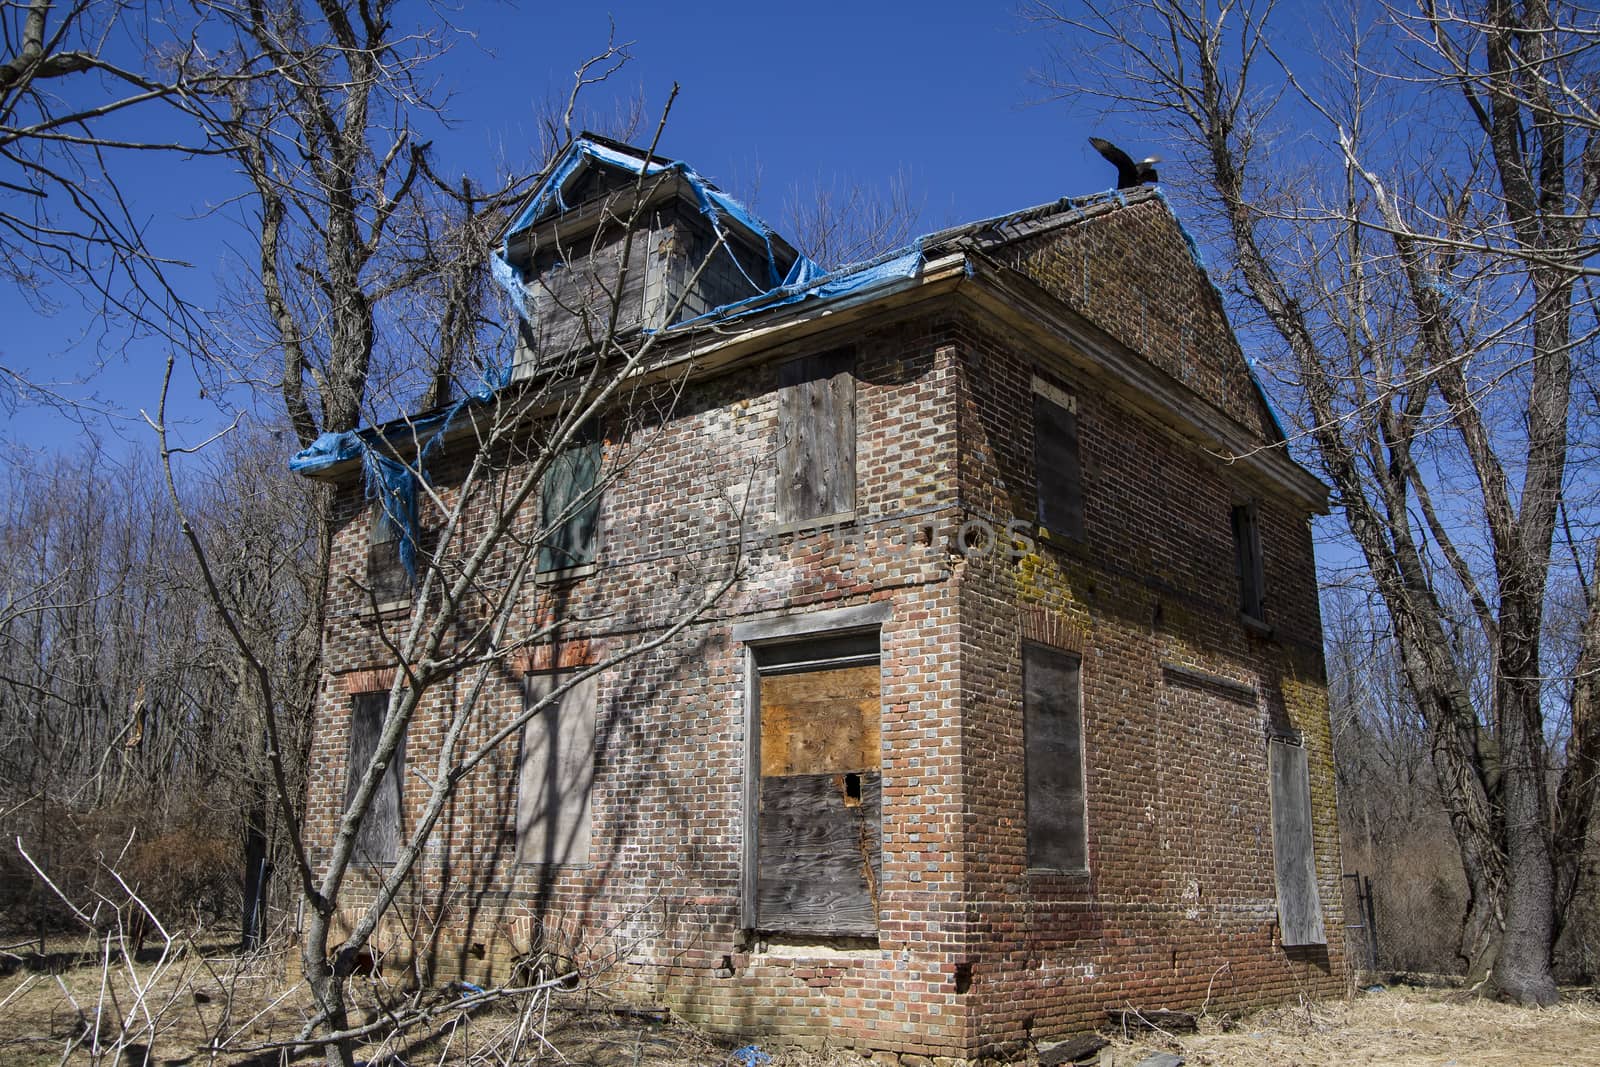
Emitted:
pixel 1053 736
pixel 378 837
pixel 817 437
pixel 555 772
pixel 818 787
pixel 1057 470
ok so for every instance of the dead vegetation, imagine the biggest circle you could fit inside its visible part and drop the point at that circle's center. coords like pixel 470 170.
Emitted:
pixel 1399 1027
pixel 190 1003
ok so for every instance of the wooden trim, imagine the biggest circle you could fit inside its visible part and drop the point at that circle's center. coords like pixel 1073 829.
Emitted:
pixel 858 617
pixel 1078 345
pixel 1059 397
pixel 750 873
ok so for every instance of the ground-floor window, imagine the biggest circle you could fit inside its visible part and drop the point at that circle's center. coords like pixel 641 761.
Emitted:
pixel 378 838
pixel 1293 853
pixel 555 771
pixel 1053 736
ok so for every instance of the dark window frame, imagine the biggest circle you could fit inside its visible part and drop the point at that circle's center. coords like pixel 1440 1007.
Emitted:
pixel 387 576
pixel 1248 560
pixel 571 535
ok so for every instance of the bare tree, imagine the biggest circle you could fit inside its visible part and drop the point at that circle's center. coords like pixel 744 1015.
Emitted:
pixel 835 221
pixel 76 100
pixel 1406 230
pixel 471 573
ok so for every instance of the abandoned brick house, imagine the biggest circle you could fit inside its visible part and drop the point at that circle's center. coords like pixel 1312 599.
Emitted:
pixel 1017 714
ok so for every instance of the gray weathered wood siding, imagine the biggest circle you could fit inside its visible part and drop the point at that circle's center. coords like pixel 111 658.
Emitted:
pixel 816 436
pixel 555 773
pixel 378 839
pixel 1293 855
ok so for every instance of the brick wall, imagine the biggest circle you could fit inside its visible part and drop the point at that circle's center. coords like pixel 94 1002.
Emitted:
pixel 1130 271
pixel 1178 907
pixel 1178 904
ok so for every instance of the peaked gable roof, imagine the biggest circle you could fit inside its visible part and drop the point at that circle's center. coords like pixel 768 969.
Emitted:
pixel 1120 260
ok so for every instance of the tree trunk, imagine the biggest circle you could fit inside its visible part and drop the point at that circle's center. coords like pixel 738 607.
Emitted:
pixel 328 989
pixel 1523 970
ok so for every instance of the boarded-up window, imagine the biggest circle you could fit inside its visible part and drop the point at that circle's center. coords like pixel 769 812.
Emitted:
pixel 819 858
pixel 392 515
pixel 1299 905
pixel 569 509
pixel 1053 731
pixel 1247 552
pixel 817 437
pixel 556 773
pixel 1056 468
pixel 378 839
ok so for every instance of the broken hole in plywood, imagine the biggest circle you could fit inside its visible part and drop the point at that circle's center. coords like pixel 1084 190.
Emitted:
pixel 851 784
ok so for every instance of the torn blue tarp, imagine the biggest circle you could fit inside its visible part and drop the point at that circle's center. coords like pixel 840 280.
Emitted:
pixel 714 204
pixel 813 282
pixel 385 476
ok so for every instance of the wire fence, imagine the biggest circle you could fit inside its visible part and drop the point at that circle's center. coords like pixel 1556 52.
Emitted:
pixel 1403 924
pixel 1414 925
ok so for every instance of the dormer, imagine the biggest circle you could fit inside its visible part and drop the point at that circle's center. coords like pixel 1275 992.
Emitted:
pixel 613 228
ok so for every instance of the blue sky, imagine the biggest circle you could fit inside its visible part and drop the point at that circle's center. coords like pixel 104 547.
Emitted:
pixel 770 97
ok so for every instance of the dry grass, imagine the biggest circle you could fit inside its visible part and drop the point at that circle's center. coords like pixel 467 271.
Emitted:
pixel 1402 1027
pixel 199 997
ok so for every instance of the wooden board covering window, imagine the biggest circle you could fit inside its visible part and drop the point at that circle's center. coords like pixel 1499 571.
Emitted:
pixel 1053 733
pixel 386 574
pixel 819 828
pixel 555 774
pixel 1247 552
pixel 816 437
pixel 378 839
pixel 1057 470
pixel 571 523
pixel 1293 858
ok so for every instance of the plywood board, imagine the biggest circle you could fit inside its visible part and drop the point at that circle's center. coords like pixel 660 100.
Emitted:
pixel 816 437
pixel 1057 469
pixel 821 854
pixel 555 775
pixel 820 722
pixel 1053 726
pixel 378 838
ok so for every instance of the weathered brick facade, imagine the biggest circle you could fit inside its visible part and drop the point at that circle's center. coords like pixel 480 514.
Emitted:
pixel 976 954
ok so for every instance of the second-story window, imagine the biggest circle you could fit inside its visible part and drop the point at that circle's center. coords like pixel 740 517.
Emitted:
pixel 1247 551
pixel 1057 471
pixel 569 509
pixel 817 437
pixel 392 517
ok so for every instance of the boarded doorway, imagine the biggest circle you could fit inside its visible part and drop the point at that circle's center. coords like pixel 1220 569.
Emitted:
pixel 818 826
